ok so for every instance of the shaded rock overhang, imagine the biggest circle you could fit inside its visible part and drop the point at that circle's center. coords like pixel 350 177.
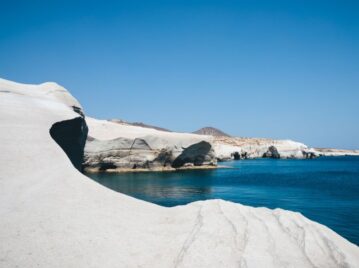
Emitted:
pixel 71 136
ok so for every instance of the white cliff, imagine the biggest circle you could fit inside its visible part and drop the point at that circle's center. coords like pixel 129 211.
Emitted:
pixel 51 215
pixel 119 146
pixel 226 147
pixel 336 152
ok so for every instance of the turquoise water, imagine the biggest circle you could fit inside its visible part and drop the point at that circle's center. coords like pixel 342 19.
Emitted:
pixel 325 189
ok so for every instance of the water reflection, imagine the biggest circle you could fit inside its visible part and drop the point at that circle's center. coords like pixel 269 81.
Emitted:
pixel 164 188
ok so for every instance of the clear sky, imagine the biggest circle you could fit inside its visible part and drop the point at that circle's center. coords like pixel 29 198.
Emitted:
pixel 279 69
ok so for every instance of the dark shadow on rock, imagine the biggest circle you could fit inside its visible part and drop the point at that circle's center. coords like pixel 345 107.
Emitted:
pixel 309 155
pixel 196 154
pixel 106 166
pixel 164 158
pixel 89 138
pixel 71 136
pixel 272 153
pixel 236 156
pixel 140 144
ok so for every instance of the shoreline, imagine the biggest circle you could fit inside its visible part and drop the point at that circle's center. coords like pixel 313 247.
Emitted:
pixel 146 170
pixel 188 168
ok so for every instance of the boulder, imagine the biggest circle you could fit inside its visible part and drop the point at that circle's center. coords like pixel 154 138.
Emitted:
pixel 198 154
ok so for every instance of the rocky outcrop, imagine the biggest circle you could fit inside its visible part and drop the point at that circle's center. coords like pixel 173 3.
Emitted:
pixel 121 153
pixel 124 154
pixel 227 148
pixel 105 149
pixel 271 153
pixel 310 153
pixel 336 152
pixel 197 154
pixel 121 147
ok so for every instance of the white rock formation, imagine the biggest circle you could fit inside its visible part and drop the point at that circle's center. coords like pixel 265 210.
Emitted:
pixel 122 146
pixel 225 147
pixel 336 152
pixel 106 130
pixel 111 147
pixel 53 216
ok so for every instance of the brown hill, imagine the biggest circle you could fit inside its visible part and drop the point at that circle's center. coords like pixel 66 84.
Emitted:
pixel 212 132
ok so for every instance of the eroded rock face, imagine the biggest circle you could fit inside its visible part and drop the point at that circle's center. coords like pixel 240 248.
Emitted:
pixel 122 147
pixel 166 149
pixel 227 148
pixel 236 156
pixel 119 153
pixel 272 153
pixel 336 152
pixel 123 153
pixel 197 154
pixel 309 154
pixel 71 136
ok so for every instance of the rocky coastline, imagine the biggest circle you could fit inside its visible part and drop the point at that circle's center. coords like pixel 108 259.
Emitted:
pixel 336 152
pixel 54 216
pixel 117 146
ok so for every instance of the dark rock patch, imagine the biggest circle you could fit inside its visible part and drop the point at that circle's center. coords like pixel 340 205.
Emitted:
pixel 106 166
pixel 71 136
pixel 236 156
pixel 197 154
pixel 272 153
pixel 140 144
pixel 309 155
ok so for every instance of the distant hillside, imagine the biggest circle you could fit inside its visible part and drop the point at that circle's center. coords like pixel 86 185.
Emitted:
pixel 211 131
pixel 138 124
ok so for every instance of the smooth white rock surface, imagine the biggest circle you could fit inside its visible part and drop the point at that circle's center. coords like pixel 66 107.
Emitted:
pixel 106 130
pixel 53 216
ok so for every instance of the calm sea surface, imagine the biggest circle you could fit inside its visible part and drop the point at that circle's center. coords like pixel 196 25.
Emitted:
pixel 325 189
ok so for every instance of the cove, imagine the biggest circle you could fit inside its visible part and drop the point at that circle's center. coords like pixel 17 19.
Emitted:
pixel 325 190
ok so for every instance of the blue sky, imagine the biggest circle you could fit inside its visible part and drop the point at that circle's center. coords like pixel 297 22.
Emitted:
pixel 279 69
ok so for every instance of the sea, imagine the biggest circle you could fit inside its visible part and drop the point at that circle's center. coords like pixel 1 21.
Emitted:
pixel 324 189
